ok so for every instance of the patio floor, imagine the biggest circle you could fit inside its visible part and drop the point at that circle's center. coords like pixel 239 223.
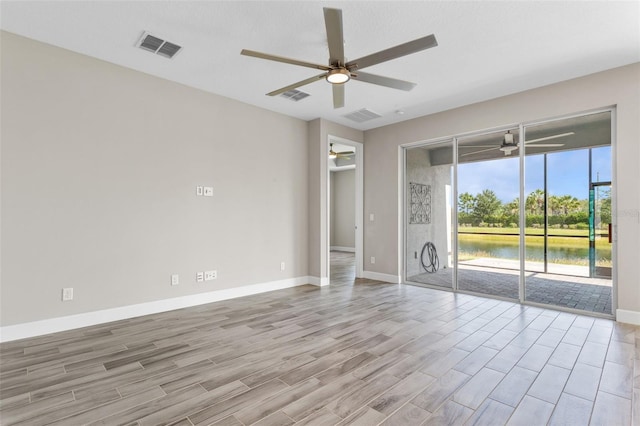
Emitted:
pixel 574 291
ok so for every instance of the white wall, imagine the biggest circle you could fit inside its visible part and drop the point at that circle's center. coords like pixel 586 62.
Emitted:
pixel 419 170
pixel 620 87
pixel 99 171
pixel 343 209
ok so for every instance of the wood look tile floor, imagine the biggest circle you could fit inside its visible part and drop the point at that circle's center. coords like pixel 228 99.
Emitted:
pixel 357 352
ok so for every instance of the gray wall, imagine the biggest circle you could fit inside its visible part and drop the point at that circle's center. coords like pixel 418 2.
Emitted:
pixel 438 231
pixel 620 86
pixel 343 209
pixel 99 171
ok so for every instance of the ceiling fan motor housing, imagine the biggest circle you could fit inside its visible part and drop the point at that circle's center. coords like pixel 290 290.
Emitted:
pixel 338 75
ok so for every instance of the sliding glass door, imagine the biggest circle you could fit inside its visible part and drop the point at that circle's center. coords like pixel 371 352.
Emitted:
pixel 429 216
pixel 488 214
pixel 470 204
pixel 568 213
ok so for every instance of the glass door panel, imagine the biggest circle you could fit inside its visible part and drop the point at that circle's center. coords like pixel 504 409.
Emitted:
pixel 566 235
pixel 602 238
pixel 429 214
pixel 488 214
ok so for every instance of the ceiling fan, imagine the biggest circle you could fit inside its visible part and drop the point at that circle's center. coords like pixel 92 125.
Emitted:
pixel 344 154
pixel 339 71
pixel 509 144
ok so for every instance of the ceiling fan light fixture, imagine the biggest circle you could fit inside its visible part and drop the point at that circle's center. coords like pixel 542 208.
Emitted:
pixel 338 76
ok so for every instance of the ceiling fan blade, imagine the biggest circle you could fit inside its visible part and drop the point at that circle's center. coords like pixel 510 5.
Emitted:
pixel 477 152
pixel 544 145
pixel 393 52
pixel 338 95
pixel 561 135
pixel 477 146
pixel 269 57
pixel 295 85
pixel 335 37
pixel 346 153
pixel 384 81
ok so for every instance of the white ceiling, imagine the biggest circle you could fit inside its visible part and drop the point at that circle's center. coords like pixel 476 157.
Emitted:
pixel 485 49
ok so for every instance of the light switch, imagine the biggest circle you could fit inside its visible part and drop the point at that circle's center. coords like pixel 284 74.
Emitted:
pixel 371 217
pixel 208 191
pixel 199 190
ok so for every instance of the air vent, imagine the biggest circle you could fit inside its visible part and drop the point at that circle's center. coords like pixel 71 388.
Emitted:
pixel 158 45
pixel 362 115
pixel 294 95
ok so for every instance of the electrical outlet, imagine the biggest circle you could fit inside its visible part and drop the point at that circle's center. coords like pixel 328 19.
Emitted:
pixel 210 275
pixel 175 279
pixel 282 266
pixel 199 277
pixel 373 259
pixel 67 294
pixel 208 191
pixel 199 190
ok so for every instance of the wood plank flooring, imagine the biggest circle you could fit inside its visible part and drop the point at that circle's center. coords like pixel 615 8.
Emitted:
pixel 358 352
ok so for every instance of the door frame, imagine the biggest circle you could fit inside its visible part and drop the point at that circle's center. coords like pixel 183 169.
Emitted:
pixel 522 125
pixel 359 210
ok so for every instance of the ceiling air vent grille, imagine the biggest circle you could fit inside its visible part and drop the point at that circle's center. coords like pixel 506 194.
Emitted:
pixel 362 115
pixel 157 45
pixel 294 95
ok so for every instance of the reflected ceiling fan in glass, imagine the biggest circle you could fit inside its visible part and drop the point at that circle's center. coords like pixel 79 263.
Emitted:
pixel 510 144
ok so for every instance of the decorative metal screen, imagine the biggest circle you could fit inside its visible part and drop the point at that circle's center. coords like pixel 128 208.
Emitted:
pixel 420 203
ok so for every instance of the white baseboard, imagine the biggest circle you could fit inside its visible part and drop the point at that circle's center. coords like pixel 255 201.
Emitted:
pixel 320 282
pixel 54 325
pixel 339 248
pixel 394 279
pixel 629 317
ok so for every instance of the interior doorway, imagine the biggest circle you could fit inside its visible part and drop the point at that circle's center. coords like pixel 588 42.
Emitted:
pixel 344 210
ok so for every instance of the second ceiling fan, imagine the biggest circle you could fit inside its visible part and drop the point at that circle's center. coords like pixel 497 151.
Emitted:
pixel 339 71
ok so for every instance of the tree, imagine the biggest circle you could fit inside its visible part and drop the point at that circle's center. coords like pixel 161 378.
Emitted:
pixel 555 205
pixel 513 207
pixel 535 201
pixel 466 202
pixel 487 204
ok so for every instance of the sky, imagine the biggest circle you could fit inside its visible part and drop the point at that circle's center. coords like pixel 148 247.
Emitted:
pixel 568 174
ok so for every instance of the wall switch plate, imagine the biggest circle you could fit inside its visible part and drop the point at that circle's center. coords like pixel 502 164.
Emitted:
pixel 210 275
pixel 373 259
pixel 282 266
pixel 67 294
pixel 199 190
pixel 371 217
pixel 208 191
pixel 175 279
pixel 199 277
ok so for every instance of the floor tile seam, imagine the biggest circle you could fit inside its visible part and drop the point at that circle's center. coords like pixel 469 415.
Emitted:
pixel 408 399
pixel 597 387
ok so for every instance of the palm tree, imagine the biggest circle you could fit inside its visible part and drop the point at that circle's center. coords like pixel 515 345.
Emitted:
pixel 535 201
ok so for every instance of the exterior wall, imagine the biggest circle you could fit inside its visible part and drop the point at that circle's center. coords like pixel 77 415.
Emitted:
pixel 438 231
